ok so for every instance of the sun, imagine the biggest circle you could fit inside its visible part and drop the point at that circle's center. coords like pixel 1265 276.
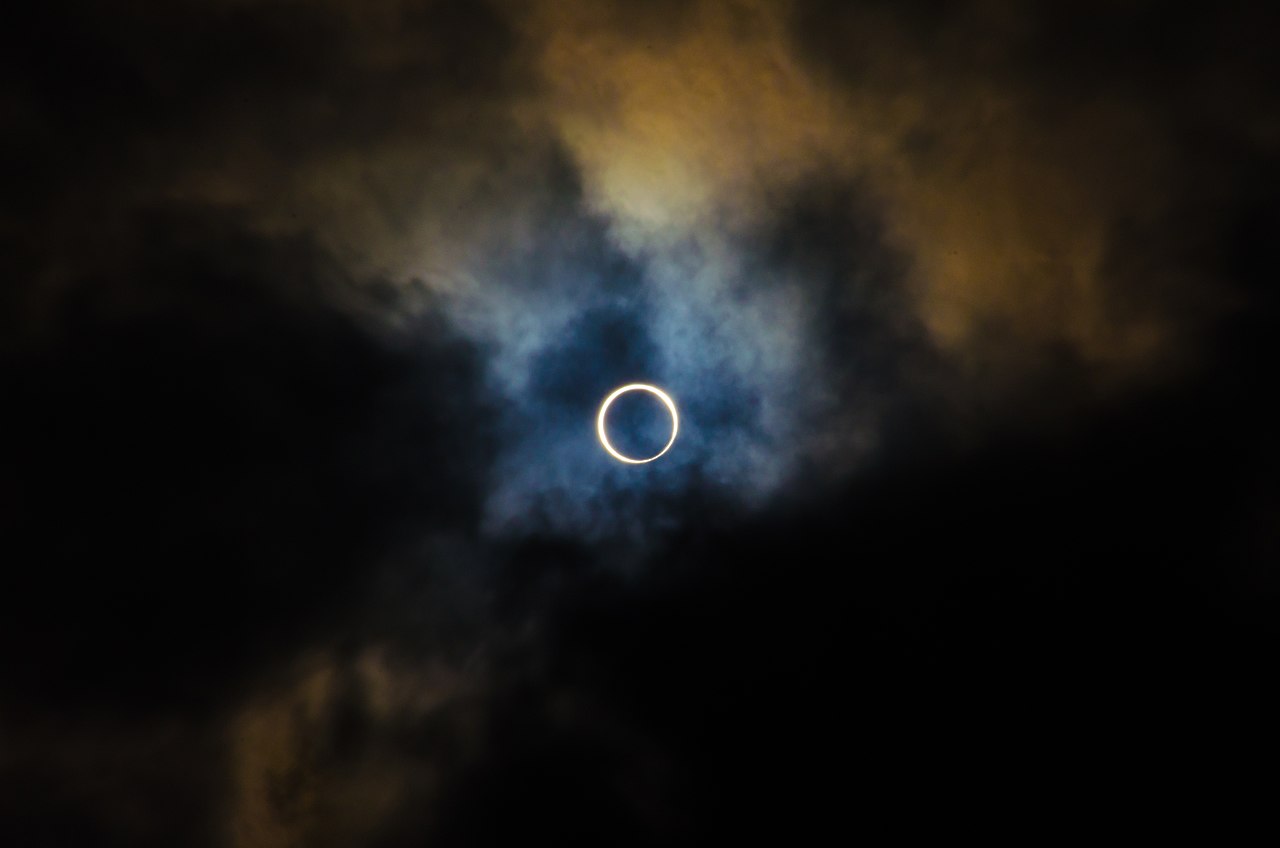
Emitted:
pixel 636 387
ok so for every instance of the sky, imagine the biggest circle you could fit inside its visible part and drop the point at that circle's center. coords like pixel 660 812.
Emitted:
pixel 306 537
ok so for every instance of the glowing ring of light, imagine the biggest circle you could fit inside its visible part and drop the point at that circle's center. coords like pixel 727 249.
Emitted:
pixel 637 387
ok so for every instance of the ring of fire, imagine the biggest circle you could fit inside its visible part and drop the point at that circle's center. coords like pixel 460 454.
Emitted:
pixel 636 387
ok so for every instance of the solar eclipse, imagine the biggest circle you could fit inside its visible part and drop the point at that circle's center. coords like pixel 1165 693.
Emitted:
pixel 601 428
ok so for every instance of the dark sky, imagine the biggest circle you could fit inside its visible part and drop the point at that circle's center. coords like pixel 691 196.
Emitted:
pixel 306 538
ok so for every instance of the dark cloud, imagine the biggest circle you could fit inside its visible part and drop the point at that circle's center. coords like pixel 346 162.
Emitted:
pixel 308 309
pixel 206 450
pixel 1062 167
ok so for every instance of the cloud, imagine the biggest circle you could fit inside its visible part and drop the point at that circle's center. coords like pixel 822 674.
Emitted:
pixel 342 751
pixel 310 308
pixel 542 169
pixel 1012 186
pixel 207 448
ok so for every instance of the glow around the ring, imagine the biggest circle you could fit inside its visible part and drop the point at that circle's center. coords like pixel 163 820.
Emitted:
pixel 637 387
